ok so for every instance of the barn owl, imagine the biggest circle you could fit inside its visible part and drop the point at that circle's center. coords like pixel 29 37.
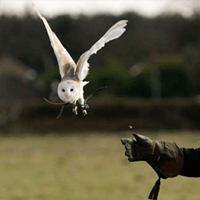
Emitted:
pixel 71 87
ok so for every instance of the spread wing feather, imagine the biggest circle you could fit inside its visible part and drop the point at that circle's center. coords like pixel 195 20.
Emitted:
pixel 65 62
pixel 113 33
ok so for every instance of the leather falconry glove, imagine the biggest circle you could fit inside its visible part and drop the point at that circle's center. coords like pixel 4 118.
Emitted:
pixel 164 157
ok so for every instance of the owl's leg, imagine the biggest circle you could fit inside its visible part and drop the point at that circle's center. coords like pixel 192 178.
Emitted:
pixel 75 109
pixel 84 106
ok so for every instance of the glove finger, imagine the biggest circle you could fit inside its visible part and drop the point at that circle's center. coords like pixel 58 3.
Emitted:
pixel 127 146
pixel 130 152
pixel 129 155
pixel 126 141
pixel 141 138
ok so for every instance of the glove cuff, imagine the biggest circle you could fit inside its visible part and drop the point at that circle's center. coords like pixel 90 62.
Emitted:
pixel 167 160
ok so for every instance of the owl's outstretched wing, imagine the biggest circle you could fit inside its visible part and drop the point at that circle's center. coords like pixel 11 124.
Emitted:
pixel 113 33
pixel 65 62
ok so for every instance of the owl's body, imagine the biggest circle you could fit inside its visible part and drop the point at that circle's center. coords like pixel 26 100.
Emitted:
pixel 70 89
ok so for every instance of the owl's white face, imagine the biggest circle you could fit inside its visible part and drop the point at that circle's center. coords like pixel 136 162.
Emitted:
pixel 68 91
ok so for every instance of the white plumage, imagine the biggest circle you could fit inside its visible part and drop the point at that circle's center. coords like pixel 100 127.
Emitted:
pixel 70 89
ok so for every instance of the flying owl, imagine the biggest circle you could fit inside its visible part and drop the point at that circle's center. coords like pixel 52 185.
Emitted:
pixel 71 87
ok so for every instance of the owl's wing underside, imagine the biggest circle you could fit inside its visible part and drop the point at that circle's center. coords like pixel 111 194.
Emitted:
pixel 113 33
pixel 65 62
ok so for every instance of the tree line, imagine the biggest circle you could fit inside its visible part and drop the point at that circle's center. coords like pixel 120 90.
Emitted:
pixel 133 65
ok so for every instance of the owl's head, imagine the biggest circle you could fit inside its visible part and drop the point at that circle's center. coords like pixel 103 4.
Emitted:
pixel 68 91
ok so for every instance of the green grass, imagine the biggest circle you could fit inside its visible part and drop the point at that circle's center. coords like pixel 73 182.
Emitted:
pixel 85 167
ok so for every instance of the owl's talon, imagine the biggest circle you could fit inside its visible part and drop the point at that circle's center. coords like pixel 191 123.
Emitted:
pixel 84 111
pixel 84 108
pixel 75 110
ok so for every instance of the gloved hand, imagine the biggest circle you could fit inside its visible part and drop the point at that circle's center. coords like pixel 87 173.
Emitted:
pixel 164 157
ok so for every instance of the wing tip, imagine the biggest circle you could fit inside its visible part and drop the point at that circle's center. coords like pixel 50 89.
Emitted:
pixel 122 22
pixel 38 12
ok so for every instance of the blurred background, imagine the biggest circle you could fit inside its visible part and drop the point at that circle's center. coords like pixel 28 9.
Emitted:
pixel 152 72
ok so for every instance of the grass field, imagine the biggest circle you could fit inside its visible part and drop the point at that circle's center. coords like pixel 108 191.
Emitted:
pixel 85 167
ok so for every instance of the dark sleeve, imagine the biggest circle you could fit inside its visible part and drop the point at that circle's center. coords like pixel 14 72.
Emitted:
pixel 191 165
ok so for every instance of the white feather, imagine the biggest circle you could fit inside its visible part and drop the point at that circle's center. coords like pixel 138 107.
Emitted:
pixel 65 61
pixel 113 33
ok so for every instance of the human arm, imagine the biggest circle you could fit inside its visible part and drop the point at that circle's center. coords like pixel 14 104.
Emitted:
pixel 191 163
pixel 164 157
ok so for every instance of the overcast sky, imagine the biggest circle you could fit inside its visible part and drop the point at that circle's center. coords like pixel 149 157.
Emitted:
pixel 90 7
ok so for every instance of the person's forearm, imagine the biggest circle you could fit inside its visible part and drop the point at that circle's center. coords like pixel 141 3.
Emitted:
pixel 191 164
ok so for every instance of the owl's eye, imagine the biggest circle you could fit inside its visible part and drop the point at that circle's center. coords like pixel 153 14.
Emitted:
pixel 63 90
pixel 71 90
